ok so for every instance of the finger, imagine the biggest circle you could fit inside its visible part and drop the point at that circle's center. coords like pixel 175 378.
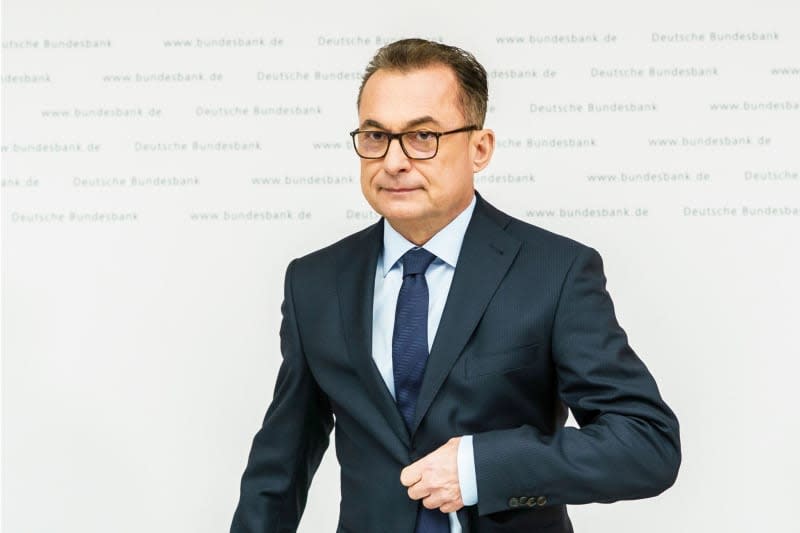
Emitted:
pixel 432 502
pixel 451 507
pixel 418 491
pixel 411 474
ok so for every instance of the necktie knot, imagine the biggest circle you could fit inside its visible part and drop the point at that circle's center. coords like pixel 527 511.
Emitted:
pixel 416 261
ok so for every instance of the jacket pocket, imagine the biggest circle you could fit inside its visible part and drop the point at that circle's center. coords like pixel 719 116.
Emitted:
pixel 484 364
pixel 546 520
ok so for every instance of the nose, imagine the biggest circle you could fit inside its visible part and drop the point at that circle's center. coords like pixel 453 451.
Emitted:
pixel 396 161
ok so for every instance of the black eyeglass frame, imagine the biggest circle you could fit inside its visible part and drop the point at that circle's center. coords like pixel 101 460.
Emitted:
pixel 399 137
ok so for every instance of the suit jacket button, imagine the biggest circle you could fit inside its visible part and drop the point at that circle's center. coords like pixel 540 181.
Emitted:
pixel 531 501
pixel 513 502
pixel 523 500
pixel 541 500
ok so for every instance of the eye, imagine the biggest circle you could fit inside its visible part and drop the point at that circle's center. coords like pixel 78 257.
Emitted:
pixel 423 136
pixel 375 136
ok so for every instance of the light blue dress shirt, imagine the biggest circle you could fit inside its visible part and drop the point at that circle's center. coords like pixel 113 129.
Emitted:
pixel 445 245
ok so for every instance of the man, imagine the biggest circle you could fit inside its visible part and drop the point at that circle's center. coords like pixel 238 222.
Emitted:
pixel 448 341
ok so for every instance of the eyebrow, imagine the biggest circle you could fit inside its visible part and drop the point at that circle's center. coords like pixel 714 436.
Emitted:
pixel 410 124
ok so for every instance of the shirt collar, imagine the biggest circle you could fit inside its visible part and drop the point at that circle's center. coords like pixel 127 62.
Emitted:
pixel 445 245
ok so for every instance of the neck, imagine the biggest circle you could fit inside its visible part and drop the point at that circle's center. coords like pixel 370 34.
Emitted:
pixel 418 233
pixel 421 231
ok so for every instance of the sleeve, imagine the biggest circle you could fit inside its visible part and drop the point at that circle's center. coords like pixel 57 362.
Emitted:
pixel 288 448
pixel 628 443
pixel 467 483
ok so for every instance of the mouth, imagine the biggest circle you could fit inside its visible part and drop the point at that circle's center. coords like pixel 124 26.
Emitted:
pixel 399 190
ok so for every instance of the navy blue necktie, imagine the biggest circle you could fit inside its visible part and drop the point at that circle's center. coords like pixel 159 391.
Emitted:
pixel 409 356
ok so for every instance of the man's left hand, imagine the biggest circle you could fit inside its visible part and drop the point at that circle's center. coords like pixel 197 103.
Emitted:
pixel 434 479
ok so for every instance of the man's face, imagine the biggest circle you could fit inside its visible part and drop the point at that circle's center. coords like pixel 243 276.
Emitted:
pixel 417 193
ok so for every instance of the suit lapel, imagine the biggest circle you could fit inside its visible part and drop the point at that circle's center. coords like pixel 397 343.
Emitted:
pixel 486 254
pixel 356 289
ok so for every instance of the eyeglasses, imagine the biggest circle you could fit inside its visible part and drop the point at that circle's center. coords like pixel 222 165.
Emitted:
pixel 418 144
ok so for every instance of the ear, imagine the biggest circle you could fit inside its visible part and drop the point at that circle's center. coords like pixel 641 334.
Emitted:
pixel 482 149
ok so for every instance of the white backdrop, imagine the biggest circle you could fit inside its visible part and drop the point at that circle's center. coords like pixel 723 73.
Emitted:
pixel 163 161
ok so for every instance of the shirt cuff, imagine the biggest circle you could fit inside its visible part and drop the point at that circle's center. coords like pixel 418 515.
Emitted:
pixel 467 481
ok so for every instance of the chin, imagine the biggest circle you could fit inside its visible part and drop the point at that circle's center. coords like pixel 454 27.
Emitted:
pixel 397 208
pixel 398 212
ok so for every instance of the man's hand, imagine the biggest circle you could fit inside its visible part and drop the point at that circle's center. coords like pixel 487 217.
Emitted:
pixel 434 479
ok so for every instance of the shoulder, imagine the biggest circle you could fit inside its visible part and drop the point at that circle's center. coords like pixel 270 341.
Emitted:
pixel 544 255
pixel 533 239
pixel 343 251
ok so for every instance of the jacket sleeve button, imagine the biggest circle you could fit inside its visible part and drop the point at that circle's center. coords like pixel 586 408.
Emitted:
pixel 513 502
pixel 541 500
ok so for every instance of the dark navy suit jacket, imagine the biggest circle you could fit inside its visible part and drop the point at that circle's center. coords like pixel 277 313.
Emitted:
pixel 528 330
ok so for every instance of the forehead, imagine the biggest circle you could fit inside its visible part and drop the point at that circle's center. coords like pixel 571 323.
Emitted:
pixel 394 98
